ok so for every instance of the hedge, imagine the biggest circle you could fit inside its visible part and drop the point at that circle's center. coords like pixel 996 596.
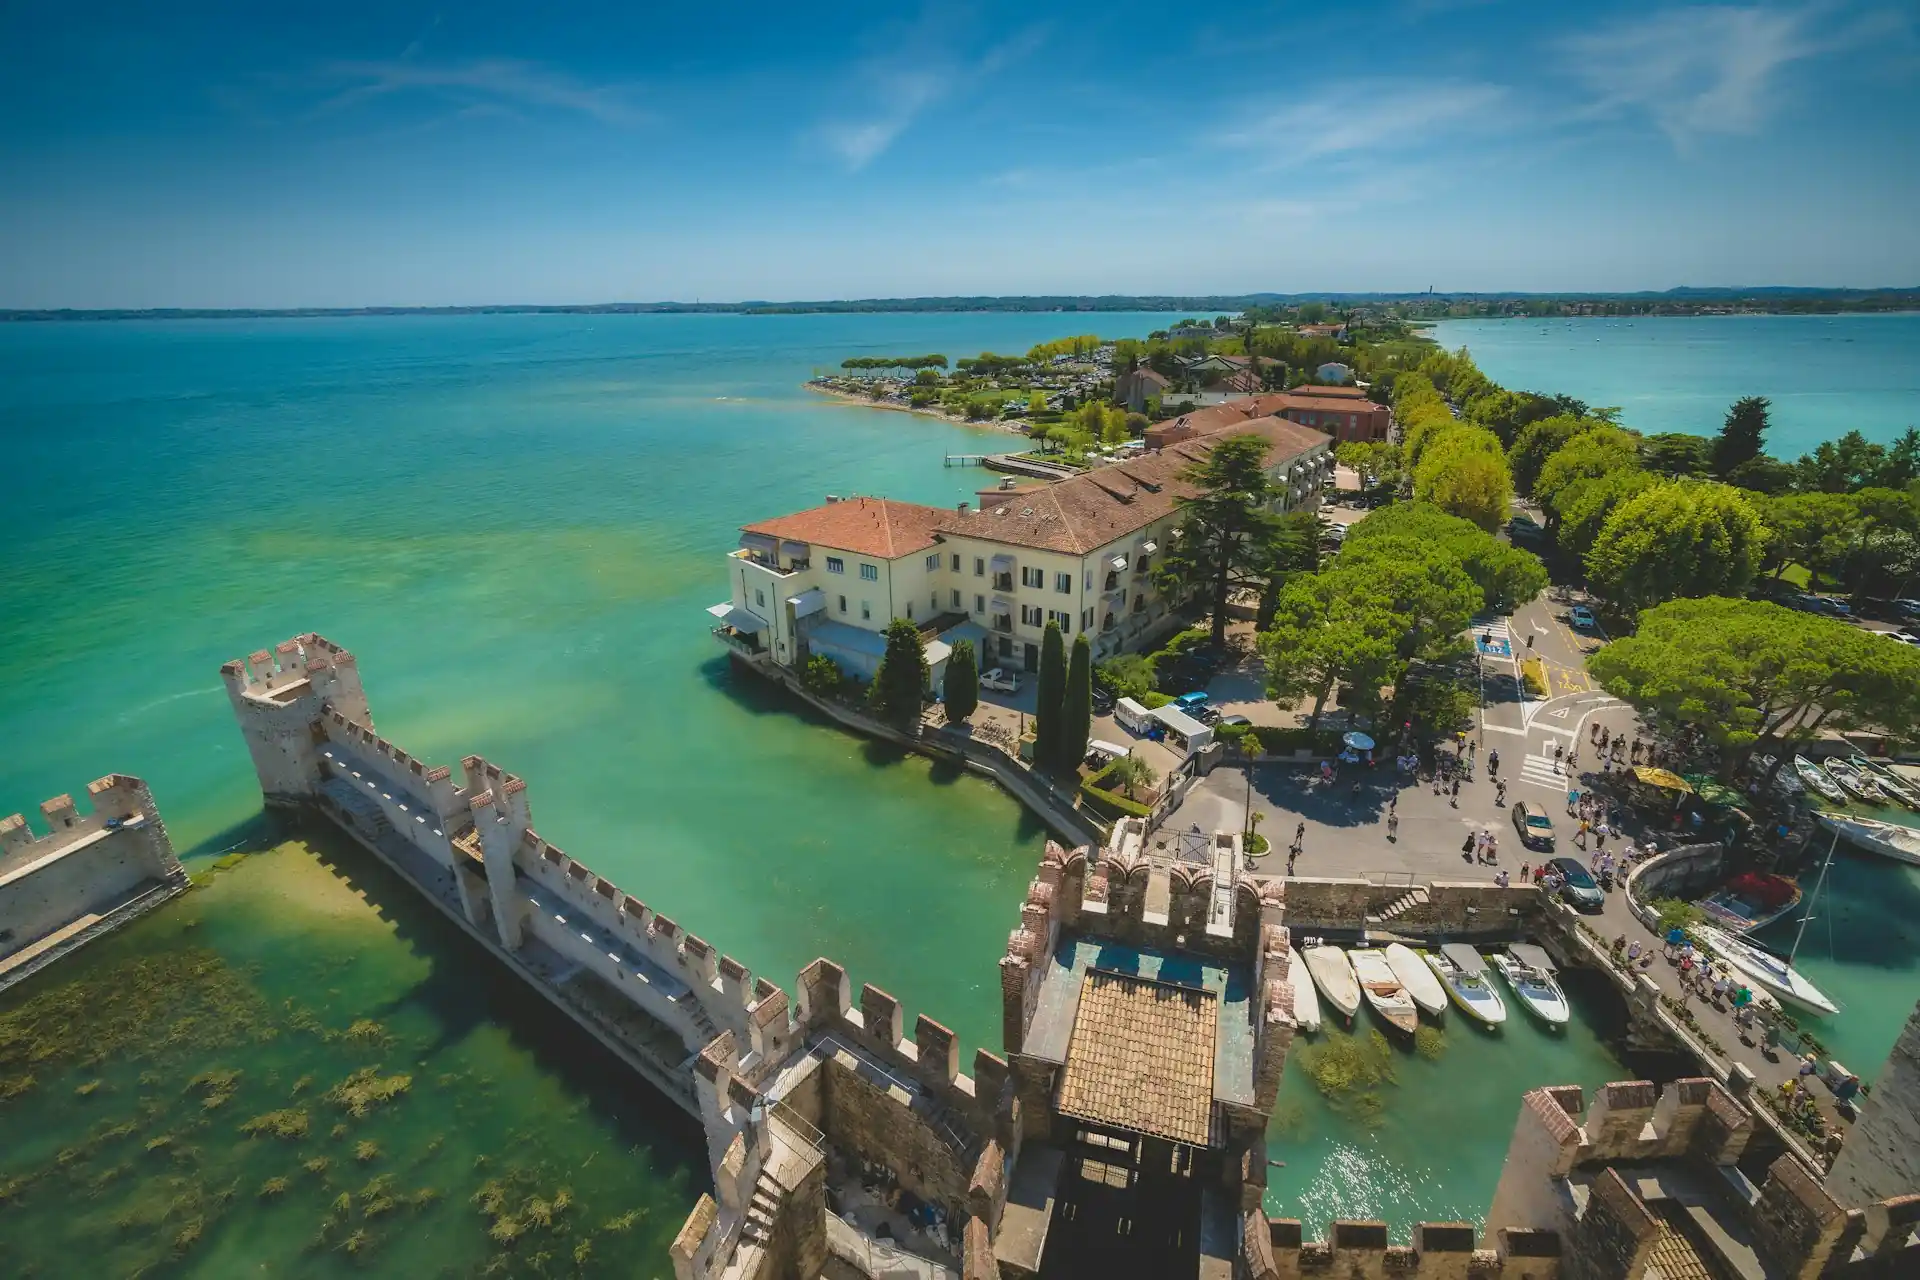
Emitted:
pixel 1109 804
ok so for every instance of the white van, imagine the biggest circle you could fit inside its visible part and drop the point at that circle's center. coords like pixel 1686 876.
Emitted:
pixel 1131 716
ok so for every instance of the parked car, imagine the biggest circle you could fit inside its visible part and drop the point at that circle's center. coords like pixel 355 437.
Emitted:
pixel 1102 701
pixel 1582 617
pixel 1533 824
pixel 1234 720
pixel 1002 680
pixel 1576 886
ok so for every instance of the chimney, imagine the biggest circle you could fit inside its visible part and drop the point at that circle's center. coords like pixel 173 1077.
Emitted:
pixel 832 498
pixel 961 508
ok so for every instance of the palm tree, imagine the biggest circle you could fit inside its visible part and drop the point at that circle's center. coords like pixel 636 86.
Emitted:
pixel 1131 772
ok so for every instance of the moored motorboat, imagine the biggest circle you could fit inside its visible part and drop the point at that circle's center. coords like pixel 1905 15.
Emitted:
pixel 1852 781
pixel 1306 1005
pixel 1891 786
pixel 1819 782
pixel 1884 838
pixel 1529 971
pixel 1417 978
pixel 1384 991
pixel 1767 969
pixel 1752 900
pixel 1333 975
pixel 1464 974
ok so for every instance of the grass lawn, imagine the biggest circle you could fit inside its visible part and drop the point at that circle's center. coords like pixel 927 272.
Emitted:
pixel 1796 574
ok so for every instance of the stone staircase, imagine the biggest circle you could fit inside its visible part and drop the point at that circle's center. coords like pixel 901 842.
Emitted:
pixel 761 1211
pixel 1416 896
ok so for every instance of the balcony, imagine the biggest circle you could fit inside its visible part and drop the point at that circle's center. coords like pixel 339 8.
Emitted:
pixel 769 561
pixel 1003 582
pixel 1003 623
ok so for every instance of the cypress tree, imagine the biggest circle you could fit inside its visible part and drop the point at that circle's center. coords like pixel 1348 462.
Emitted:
pixel 1046 707
pixel 902 674
pixel 961 686
pixel 1743 436
pixel 1076 710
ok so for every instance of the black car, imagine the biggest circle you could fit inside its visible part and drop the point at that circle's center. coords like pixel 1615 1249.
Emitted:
pixel 1576 886
pixel 1102 701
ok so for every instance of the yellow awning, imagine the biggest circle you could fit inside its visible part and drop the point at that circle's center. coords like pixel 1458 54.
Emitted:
pixel 1662 778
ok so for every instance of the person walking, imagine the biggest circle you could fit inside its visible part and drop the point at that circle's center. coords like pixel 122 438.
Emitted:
pixel 1393 826
pixel 1493 762
pixel 1500 792
pixel 1454 800
pixel 1501 879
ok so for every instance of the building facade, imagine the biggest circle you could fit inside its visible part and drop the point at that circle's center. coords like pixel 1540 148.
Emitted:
pixel 1081 552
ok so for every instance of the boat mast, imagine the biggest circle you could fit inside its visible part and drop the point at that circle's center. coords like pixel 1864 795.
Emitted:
pixel 1817 886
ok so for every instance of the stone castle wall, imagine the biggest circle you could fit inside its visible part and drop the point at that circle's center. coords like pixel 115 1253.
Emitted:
pixel 83 874
pixel 1882 1153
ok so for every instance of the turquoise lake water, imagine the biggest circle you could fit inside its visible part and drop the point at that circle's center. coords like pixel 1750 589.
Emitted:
pixel 1826 375
pixel 517 522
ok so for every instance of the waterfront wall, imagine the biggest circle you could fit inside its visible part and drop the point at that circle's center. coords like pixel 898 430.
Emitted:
pixel 1882 1153
pixel 1455 908
pixel 92 872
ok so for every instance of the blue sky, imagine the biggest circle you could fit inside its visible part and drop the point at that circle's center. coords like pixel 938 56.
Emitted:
pixel 225 154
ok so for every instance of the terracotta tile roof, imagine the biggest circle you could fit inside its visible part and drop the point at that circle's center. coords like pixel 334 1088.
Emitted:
pixel 1141 1058
pixel 1344 392
pixel 1099 507
pixel 865 526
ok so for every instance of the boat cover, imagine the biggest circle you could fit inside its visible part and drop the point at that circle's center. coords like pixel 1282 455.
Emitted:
pixel 1533 957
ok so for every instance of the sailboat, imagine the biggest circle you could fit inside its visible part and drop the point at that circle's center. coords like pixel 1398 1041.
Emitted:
pixel 1778 975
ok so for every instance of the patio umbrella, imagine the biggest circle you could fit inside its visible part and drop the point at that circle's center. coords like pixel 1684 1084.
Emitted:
pixel 1713 791
pixel 1662 778
pixel 1358 741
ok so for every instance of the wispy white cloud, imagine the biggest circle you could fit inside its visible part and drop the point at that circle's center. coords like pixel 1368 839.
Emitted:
pixel 1367 118
pixel 485 82
pixel 901 88
pixel 1710 69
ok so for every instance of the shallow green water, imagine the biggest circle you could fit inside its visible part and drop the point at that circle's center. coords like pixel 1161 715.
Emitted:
pixel 516 523
pixel 179 1100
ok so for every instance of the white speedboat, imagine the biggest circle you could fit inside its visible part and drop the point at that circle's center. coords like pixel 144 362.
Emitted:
pixel 1383 990
pixel 1306 1005
pixel 1852 780
pixel 1464 974
pixel 1887 839
pixel 1417 979
pixel 1895 788
pixel 1529 971
pixel 1819 782
pixel 1333 975
pixel 1767 970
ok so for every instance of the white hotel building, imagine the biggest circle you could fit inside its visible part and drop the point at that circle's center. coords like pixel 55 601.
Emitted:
pixel 1080 552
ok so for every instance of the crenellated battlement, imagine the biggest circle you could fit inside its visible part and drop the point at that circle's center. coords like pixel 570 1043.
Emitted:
pixel 91 871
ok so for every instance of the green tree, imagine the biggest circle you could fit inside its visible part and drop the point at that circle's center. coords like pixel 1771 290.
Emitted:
pixel 901 679
pixel 1751 676
pixel 1674 453
pixel 1810 529
pixel 1076 709
pixel 1590 454
pixel 1229 537
pixel 1464 473
pixel 1743 435
pixel 1764 475
pixel 1318 641
pixel 1584 506
pixel 1507 576
pixel 960 687
pixel 1841 466
pixel 1679 538
pixel 1048 697
pixel 822 676
pixel 1539 441
pixel 1128 675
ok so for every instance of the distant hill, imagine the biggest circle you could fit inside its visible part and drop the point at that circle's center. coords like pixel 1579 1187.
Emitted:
pixel 1680 300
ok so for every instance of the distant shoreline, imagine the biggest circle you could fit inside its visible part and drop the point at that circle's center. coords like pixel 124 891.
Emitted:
pixel 998 427
pixel 1769 300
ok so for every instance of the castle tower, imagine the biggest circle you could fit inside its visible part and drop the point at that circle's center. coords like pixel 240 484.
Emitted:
pixel 1882 1155
pixel 501 815
pixel 276 698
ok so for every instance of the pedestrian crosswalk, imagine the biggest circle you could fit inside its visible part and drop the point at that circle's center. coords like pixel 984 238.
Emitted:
pixel 1543 771
pixel 1493 638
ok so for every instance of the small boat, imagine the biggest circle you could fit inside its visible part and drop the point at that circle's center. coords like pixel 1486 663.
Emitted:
pixel 1852 780
pixel 1464 974
pixel 1529 971
pixel 1306 1005
pixel 1750 901
pixel 1817 781
pixel 1384 991
pixel 1767 970
pixel 1887 839
pixel 1333 975
pixel 1891 786
pixel 1417 979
